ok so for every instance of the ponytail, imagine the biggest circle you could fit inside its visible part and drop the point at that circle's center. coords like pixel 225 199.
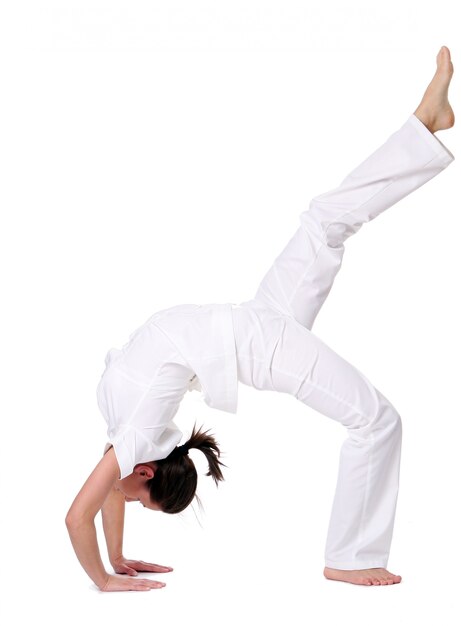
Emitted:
pixel 208 445
pixel 174 483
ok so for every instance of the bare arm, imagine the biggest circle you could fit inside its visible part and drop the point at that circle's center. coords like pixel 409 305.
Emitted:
pixel 82 530
pixel 113 517
pixel 80 517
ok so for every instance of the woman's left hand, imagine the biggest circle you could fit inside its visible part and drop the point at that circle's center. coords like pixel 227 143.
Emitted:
pixel 127 566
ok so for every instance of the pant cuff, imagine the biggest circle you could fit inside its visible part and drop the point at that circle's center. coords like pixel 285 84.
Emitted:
pixel 434 142
pixel 349 565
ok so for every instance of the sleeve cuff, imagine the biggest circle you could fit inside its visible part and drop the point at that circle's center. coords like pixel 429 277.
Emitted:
pixel 133 446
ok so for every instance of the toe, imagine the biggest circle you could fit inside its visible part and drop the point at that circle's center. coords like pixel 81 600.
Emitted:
pixel 444 60
pixel 444 54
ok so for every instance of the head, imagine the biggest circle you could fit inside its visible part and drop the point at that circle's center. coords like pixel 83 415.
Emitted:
pixel 169 484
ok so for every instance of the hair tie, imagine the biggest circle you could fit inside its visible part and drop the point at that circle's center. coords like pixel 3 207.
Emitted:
pixel 179 451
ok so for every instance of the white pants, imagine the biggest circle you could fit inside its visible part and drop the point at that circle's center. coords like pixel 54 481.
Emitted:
pixel 276 349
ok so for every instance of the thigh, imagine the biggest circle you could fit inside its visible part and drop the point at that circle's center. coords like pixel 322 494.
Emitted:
pixel 302 275
pixel 274 352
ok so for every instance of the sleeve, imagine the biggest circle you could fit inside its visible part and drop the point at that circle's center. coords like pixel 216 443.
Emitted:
pixel 107 447
pixel 133 445
pixel 140 416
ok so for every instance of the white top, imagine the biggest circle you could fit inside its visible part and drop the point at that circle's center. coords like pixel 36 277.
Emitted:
pixel 179 349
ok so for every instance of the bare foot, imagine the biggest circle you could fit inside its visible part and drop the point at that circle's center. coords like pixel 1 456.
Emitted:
pixel 373 576
pixel 435 111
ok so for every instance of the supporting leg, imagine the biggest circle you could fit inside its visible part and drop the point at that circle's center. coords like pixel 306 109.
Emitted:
pixel 276 353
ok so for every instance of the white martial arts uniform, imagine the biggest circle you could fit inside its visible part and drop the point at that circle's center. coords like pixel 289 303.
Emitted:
pixel 267 343
pixel 182 348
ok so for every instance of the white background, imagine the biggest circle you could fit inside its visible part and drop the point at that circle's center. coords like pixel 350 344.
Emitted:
pixel 159 153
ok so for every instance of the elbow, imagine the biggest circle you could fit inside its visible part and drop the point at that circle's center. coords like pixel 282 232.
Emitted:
pixel 74 521
pixel 70 521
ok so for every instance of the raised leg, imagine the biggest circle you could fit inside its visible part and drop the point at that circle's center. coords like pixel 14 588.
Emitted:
pixel 302 276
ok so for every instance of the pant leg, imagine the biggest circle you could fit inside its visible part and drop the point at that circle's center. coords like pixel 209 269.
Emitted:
pixel 302 275
pixel 275 352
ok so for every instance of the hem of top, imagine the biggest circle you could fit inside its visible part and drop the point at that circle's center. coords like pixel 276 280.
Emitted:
pixel 434 142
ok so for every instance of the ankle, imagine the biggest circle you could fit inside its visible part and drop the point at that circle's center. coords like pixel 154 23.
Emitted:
pixel 425 118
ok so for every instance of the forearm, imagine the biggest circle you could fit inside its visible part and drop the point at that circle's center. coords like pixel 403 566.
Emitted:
pixel 85 544
pixel 113 516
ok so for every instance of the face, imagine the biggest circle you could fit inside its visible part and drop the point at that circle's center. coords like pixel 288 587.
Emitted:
pixel 134 486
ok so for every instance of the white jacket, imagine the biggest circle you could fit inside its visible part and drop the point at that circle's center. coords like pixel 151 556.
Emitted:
pixel 179 349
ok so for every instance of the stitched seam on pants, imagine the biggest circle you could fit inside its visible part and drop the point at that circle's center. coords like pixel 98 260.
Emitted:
pixel 323 243
pixel 274 305
pixel 300 379
pixel 366 494
pixel 271 368
pixel 360 533
pixel 329 393
pixel 372 197
pixel 304 274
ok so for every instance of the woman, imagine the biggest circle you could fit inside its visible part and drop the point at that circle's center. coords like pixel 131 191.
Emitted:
pixel 267 343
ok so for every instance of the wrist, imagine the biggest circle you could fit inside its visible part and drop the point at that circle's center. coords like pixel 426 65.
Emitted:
pixel 104 582
pixel 114 560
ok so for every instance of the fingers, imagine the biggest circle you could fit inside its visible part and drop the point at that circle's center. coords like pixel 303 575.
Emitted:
pixel 125 569
pixel 144 584
pixel 160 568
pixel 142 566
pixel 118 583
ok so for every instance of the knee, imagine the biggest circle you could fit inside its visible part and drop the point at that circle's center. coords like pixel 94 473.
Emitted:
pixel 386 423
pixel 324 224
pixel 378 419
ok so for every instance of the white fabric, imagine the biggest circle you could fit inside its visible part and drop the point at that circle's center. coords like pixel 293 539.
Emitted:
pixel 182 348
pixel 267 343
pixel 276 349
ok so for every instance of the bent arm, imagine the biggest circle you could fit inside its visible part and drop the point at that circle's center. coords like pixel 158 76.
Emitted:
pixel 80 517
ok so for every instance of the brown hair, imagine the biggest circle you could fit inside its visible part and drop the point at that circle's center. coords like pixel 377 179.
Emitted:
pixel 174 484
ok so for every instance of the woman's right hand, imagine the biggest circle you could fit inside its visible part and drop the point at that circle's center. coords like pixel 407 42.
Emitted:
pixel 131 583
